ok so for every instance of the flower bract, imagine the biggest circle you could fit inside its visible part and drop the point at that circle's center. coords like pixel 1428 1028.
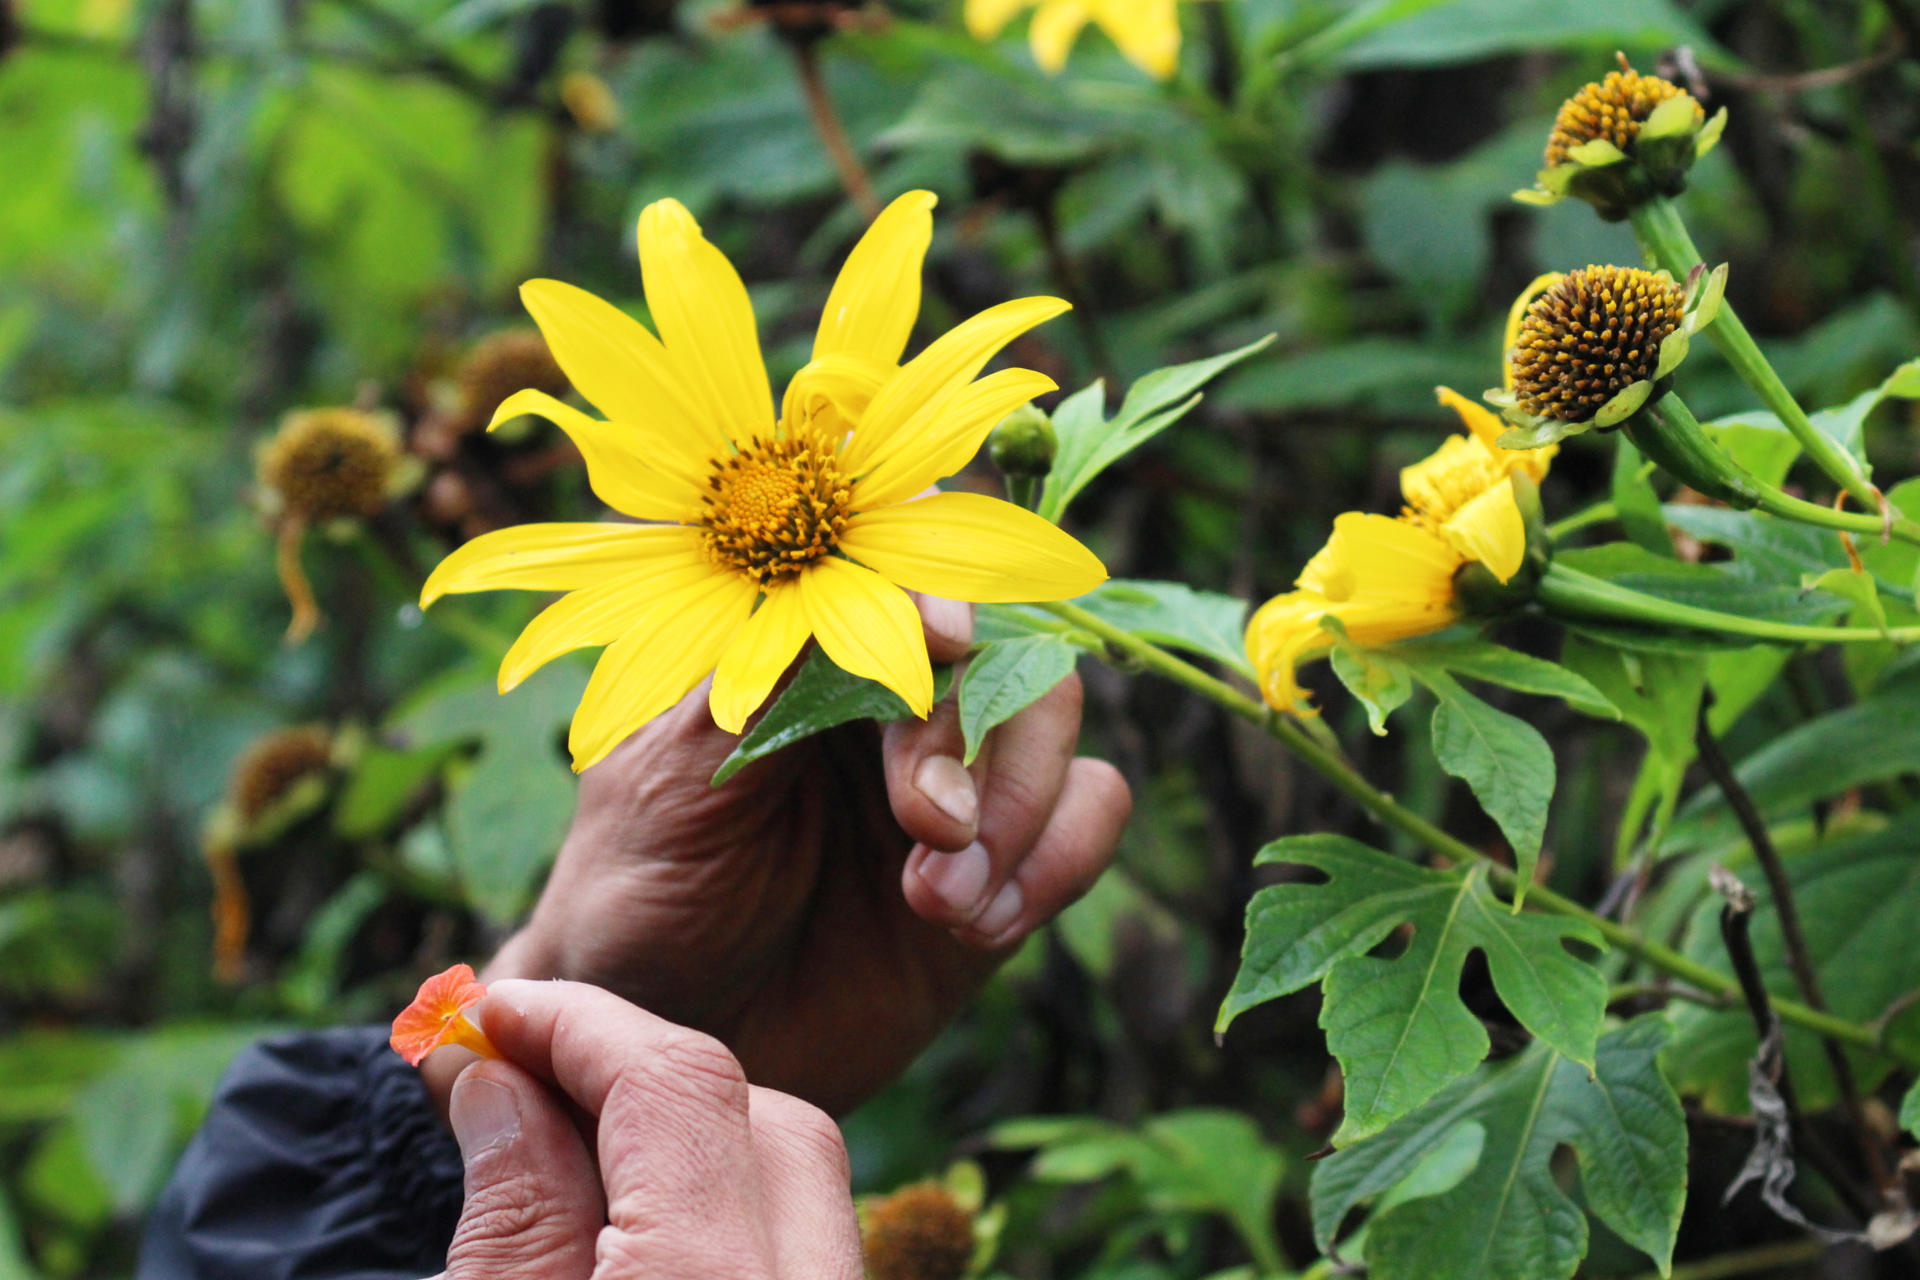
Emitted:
pixel 1147 31
pixel 438 1015
pixel 1387 578
pixel 766 530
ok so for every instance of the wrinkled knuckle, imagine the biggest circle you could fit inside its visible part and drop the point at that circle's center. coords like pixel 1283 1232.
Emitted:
pixel 505 1226
pixel 817 1138
pixel 692 1062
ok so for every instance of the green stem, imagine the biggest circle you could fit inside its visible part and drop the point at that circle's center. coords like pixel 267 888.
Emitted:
pixel 1330 765
pixel 1023 491
pixel 1598 513
pixel 1571 592
pixel 1665 243
pixel 1745 1262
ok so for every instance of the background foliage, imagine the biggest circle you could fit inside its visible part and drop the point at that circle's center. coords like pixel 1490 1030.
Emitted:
pixel 221 210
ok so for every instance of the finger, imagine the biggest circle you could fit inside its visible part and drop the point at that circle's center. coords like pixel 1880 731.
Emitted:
pixel 976 889
pixel 675 1147
pixel 1076 846
pixel 533 1202
pixel 935 798
pixel 806 1186
pixel 948 625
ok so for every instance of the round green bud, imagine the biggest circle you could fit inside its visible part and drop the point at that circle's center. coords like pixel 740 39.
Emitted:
pixel 1023 444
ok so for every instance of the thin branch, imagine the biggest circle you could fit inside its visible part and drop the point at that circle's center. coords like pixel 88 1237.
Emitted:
pixel 1743 1262
pixel 833 135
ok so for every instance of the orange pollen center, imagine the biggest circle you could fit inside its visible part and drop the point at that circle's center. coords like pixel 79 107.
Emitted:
pixel 775 507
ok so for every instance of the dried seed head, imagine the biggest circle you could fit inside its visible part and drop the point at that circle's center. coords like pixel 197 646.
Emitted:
pixel 1590 336
pixel 1613 109
pixel 506 362
pixel 270 768
pixel 326 463
pixel 917 1233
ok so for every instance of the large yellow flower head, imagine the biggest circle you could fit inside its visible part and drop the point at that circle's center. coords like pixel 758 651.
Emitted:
pixel 1147 31
pixel 1386 578
pixel 769 529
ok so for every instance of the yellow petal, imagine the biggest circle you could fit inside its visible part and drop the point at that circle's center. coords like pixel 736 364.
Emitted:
pixel 1391 562
pixel 705 320
pixel 949 442
pixel 918 394
pixel 987 18
pixel 1490 529
pixel 869 628
pixel 876 298
pixel 616 364
pixel 1147 31
pixel 555 557
pixel 1282 633
pixel 757 658
pixel 965 546
pixel 641 471
pixel 1483 422
pixel 840 382
pixel 600 614
pixel 653 666
pixel 1055 27
pixel 1460 469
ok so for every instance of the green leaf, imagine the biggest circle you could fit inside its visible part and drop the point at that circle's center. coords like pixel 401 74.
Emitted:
pixel 1776 552
pixel 1381 683
pixel 379 787
pixel 1089 443
pixel 1910 1110
pixel 509 809
pixel 1398 1026
pixel 1505 761
pixel 1509 1219
pixel 1858 898
pixel 1006 677
pixel 1491 663
pixel 1423 33
pixel 1758 442
pixel 819 697
pixel 1176 616
pixel 1635 502
pixel 1856 587
pixel 1658 694
pixel 1847 423
pixel 1726 588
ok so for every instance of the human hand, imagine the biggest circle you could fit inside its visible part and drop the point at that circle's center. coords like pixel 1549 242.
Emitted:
pixel 830 908
pixel 699 1173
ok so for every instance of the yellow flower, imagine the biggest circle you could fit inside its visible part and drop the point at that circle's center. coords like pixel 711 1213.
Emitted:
pixel 1386 578
pixel 768 531
pixel 1147 31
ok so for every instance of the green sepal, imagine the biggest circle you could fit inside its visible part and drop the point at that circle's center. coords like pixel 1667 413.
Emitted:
pixel 1672 118
pixel 1623 404
pixel 1597 154
pixel 1709 136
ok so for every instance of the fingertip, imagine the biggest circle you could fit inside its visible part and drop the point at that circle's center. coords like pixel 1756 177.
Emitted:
pixel 948 625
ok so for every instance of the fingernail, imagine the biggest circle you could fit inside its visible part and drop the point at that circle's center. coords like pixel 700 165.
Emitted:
pixel 958 878
pixel 1001 912
pixel 946 782
pixel 484 1115
pixel 951 620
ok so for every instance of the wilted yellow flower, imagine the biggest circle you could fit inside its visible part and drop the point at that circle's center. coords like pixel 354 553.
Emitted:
pixel 1386 578
pixel 771 530
pixel 920 1232
pixel 1147 31
pixel 323 464
pixel 590 102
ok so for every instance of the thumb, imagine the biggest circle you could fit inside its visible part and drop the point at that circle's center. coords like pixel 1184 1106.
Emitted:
pixel 534 1205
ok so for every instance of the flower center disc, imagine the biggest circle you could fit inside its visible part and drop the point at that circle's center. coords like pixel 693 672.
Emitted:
pixel 775 507
pixel 1590 336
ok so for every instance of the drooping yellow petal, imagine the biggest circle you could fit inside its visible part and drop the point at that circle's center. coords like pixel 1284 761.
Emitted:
pixel 1280 635
pixel 555 557
pixel 868 627
pixel 1490 529
pixel 1487 427
pixel 840 382
pixel 1147 31
pixel 987 18
pixel 642 472
pixel 600 614
pixel 949 442
pixel 1056 25
pixel 653 666
pixel 876 297
pixel 754 662
pixel 966 546
pixel 616 364
pixel 705 320
pixel 919 393
pixel 1440 483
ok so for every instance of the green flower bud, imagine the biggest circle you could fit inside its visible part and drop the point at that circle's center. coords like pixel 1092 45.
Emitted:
pixel 1023 444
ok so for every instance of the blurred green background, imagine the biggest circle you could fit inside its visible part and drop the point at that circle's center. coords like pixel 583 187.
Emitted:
pixel 215 212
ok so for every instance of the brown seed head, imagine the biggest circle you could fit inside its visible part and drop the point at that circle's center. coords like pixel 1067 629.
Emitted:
pixel 330 462
pixel 1590 336
pixel 502 364
pixel 918 1233
pixel 272 765
pixel 1613 109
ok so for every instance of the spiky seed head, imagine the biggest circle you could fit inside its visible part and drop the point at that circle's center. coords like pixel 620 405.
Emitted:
pixel 918 1233
pixel 1613 109
pixel 270 768
pixel 503 363
pixel 326 463
pixel 1590 336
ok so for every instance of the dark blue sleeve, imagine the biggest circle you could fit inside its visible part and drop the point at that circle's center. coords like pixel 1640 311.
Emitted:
pixel 320 1158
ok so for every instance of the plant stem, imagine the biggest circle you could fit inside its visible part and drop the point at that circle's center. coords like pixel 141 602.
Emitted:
pixel 833 135
pixel 1347 779
pixel 1744 1262
pixel 1571 592
pixel 1598 513
pixel 1664 241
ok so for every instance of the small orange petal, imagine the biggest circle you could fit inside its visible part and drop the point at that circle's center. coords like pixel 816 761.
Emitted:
pixel 437 1016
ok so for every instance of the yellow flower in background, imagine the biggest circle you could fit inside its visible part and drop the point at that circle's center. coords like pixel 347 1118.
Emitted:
pixel 769 530
pixel 1147 31
pixel 1388 578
